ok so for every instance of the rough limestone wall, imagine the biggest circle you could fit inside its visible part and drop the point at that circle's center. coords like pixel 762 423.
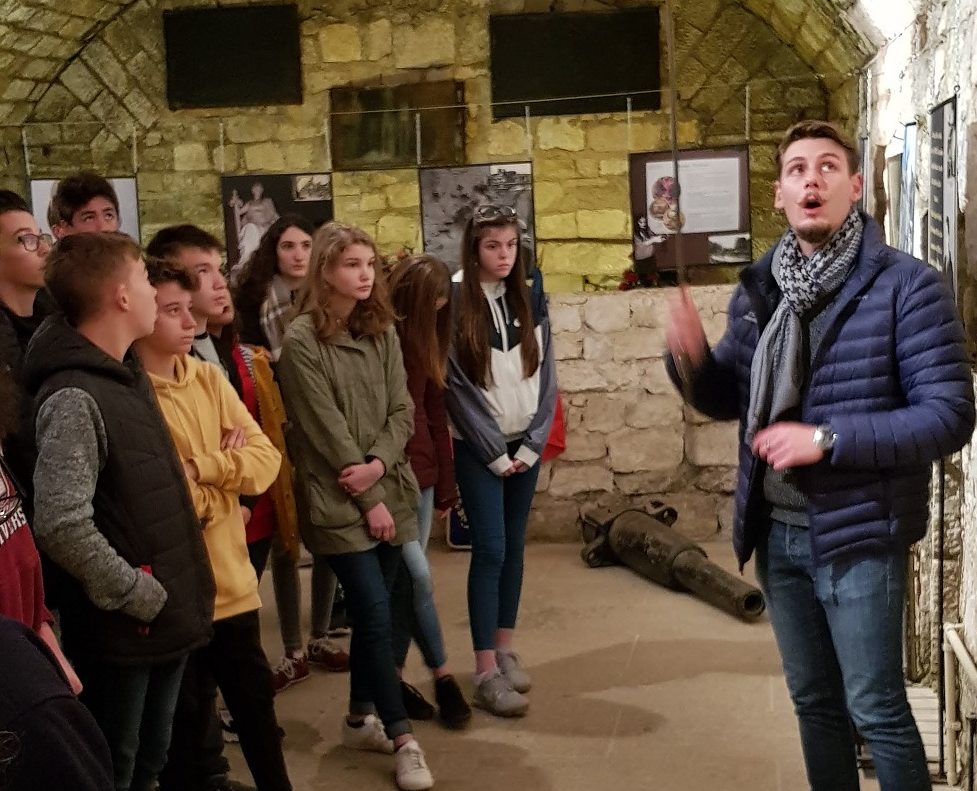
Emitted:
pixel 113 93
pixel 628 433
pixel 917 70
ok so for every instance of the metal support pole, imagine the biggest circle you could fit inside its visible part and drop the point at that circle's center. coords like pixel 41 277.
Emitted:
pixel 950 692
pixel 943 702
pixel 417 137
pixel 746 130
pixel 529 134
pixel 27 153
pixel 630 146
pixel 327 143
pixel 673 101
pixel 220 147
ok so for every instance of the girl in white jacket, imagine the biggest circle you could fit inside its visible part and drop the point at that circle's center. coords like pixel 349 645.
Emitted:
pixel 501 397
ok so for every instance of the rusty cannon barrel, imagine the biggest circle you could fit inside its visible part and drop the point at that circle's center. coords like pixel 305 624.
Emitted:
pixel 645 541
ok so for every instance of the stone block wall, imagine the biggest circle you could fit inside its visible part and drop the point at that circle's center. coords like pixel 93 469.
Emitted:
pixel 628 433
pixel 106 109
pixel 926 63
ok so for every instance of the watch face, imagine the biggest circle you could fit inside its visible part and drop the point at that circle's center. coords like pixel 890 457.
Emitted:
pixel 823 438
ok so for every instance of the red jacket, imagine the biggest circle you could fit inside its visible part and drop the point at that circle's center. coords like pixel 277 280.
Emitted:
pixel 21 588
pixel 262 522
pixel 429 450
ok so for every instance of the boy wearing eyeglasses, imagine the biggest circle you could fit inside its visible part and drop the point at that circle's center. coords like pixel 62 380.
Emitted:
pixel 22 252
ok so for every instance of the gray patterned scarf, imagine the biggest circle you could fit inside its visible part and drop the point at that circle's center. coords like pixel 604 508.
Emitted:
pixel 778 369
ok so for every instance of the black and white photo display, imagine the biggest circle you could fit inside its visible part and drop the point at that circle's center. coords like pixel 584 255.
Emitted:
pixel 448 196
pixel 943 191
pixel 251 204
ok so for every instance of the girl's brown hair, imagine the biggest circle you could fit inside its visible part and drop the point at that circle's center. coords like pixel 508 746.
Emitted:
pixel 371 316
pixel 416 285
pixel 473 334
pixel 257 272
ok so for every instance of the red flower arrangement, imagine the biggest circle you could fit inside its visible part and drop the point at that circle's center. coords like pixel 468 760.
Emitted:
pixel 631 278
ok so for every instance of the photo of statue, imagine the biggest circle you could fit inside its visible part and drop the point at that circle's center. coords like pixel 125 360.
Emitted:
pixel 252 203
pixel 252 218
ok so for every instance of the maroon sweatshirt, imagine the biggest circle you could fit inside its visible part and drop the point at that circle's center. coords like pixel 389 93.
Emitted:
pixel 21 587
pixel 429 450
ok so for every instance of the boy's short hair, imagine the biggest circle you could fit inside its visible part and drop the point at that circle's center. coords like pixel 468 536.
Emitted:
pixel 79 267
pixel 169 241
pixel 73 192
pixel 163 270
pixel 805 130
pixel 11 201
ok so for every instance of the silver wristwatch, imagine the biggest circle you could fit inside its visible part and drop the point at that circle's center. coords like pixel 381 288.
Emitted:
pixel 824 437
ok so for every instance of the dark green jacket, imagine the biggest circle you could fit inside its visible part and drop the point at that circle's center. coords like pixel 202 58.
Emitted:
pixel 347 400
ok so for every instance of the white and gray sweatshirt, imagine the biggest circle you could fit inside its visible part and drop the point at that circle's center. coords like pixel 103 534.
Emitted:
pixel 513 407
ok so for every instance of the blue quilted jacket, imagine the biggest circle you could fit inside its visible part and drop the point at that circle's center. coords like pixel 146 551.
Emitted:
pixel 892 379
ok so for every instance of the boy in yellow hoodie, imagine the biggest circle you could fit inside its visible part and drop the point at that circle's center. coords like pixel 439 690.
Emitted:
pixel 225 454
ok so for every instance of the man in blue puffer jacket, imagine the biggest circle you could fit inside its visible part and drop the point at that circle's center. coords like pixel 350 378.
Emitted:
pixel 844 362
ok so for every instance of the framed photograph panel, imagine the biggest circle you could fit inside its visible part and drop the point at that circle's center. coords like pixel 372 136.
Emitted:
pixel 374 128
pixel 125 189
pixel 709 205
pixel 943 191
pixel 448 196
pixel 252 203
pixel 907 195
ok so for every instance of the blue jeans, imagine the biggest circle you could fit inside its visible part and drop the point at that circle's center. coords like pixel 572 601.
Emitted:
pixel 134 707
pixel 288 592
pixel 414 612
pixel 374 687
pixel 497 510
pixel 839 630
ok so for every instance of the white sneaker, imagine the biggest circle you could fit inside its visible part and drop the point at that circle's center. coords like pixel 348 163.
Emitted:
pixel 369 736
pixel 412 771
pixel 512 669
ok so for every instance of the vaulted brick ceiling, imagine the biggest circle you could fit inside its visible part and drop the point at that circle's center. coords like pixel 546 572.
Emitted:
pixel 38 37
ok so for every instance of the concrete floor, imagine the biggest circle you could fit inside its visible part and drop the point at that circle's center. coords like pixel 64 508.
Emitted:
pixel 635 687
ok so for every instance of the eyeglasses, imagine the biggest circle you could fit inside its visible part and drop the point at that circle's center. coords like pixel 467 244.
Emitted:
pixel 489 212
pixel 32 241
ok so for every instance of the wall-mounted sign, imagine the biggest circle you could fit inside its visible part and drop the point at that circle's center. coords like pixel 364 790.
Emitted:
pixel 709 205
pixel 125 190
pixel 252 203
pixel 907 195
pixel 943 191
pixel 448 196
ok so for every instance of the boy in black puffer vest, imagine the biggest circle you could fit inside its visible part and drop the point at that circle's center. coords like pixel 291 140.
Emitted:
pixel 111 503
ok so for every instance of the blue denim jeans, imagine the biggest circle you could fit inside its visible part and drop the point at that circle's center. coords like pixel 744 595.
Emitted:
pixel 839 630
pixel 414 612
pixel 374 687
pixel 497 510
pixel 288 592
pixel 134 707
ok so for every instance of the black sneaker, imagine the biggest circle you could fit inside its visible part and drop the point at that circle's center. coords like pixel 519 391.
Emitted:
pixel 452 706
pixel 417 707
